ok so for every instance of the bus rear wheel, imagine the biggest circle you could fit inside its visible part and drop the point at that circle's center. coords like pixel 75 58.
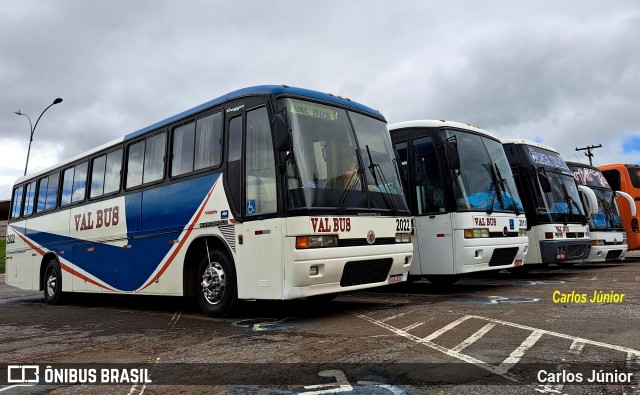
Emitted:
pixel 52 283
pixel 216 285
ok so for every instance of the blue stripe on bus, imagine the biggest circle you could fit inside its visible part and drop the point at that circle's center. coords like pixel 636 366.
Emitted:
pixel 152 228
pixel 258 90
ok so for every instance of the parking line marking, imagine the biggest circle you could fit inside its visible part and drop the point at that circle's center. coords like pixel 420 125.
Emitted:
pixel 518 353
pixel 472 339
pixel 576 347
pixel 594 278
pixel 397 315
pixel 615 279
pixel 561 335
pixel 412 326
pixel 444 350
pixel 446 328
pixel 632 359
pixel 637 278
pixel 16 386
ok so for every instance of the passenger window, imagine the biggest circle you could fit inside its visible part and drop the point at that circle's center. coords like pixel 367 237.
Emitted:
pixel 403 152
pixel 17 203
pixel 183 148
pixel 48 192
pixel 105 177
pixel 67 187
pixel 260 165
pixel 79 182
pixel 208 141
pixel 234 164
pixel 30 192
pixel 134 165
pixel 154 158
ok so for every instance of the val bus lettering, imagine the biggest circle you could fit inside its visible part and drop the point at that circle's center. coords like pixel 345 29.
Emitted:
pixel 107 217
pixel 331 224
pixel 485 221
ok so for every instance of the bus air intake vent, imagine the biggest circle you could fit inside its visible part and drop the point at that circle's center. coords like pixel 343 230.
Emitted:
pixel 613 255
pixel 503 256
pixel 363 242
pixel 365 272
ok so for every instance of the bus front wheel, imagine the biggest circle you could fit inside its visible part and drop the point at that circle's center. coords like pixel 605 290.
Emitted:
pixel 52 283
pixel 216 285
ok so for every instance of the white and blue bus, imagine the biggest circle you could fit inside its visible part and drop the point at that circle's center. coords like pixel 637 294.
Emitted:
pixel 467 211
pixel 608 237
pixel 556 219
pixel 269 192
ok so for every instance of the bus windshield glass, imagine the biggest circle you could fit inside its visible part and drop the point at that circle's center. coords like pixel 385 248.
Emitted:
pixel 558 200
pixel 484 180
pixel 607 216
pixel 326 167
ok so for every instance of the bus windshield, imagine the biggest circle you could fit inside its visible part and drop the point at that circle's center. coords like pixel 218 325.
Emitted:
pixel 335 164
pixel 558 199
pixel 485 181
pixel 607 216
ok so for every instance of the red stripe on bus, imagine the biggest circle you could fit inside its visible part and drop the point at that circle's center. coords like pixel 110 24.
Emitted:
pixel 182 239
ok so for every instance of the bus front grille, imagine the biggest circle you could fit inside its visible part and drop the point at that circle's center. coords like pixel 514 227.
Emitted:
pixel 503 256
pixel 363 242
pixel 365 272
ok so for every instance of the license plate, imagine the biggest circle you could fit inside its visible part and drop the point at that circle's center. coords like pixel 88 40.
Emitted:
pixel 395 278
pixel 518 262
pixel 560 255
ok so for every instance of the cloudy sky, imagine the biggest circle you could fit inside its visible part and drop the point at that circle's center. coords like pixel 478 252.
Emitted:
pixel 565 73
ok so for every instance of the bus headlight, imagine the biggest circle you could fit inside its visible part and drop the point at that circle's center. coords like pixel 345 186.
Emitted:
pixel 597 242
pixel 522 233
pixel 476 233
pixel 304 242
pixel 403 238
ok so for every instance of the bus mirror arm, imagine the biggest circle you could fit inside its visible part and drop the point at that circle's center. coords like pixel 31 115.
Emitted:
pixel 632 204
pixel 592 200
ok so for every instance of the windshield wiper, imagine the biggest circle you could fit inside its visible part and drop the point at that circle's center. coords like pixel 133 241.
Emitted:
pixel 342 202
pixel 496 188
pixel 372 168
pixel 504 184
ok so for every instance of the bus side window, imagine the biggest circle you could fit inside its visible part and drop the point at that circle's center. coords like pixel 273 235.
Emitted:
pixel 97 176
pixel 208 141
pixel 154 158
pixel 260 165
pixel 234 163
pixel 113 172
pixel 67 186
pixel 134 164
pixel 613 178
pixel 183 148
pixel 42 193
pixel 79 182
pixel 52 191
pixel 17 203
pixel 30 192
pixel 402 152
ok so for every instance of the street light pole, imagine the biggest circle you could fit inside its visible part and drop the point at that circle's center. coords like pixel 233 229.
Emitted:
pixel 33 128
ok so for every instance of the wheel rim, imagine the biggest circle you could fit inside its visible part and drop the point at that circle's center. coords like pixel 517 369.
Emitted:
pixel 52 283
pixel 213 283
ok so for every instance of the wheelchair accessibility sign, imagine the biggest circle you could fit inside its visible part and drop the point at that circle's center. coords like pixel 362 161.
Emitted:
pixel 251 206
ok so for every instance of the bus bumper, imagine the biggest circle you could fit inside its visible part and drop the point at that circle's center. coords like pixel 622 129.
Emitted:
pixel 554 251
pixel 326 270
pixel 607 253
pixel 490 254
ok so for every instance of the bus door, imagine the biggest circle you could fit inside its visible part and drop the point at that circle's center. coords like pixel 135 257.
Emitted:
pixel 251 186
pixel 433 228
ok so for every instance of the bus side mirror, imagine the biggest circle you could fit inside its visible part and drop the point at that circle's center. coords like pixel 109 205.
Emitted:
pixel 283 138
pixel 590 199
pixel 451 152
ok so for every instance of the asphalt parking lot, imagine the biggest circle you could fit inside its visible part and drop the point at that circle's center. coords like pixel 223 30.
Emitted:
pixel 488 334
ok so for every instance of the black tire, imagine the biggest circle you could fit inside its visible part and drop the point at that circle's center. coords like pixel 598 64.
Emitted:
pixel 216 285
pixel 325 298
pixel 52 283
pixel 442 280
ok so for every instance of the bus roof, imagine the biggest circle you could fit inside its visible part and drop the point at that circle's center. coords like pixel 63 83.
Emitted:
pixel 434 123
pixel 250 91
pixel 527 142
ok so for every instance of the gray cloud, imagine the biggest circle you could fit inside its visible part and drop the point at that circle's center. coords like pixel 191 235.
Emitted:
pixel 565 72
